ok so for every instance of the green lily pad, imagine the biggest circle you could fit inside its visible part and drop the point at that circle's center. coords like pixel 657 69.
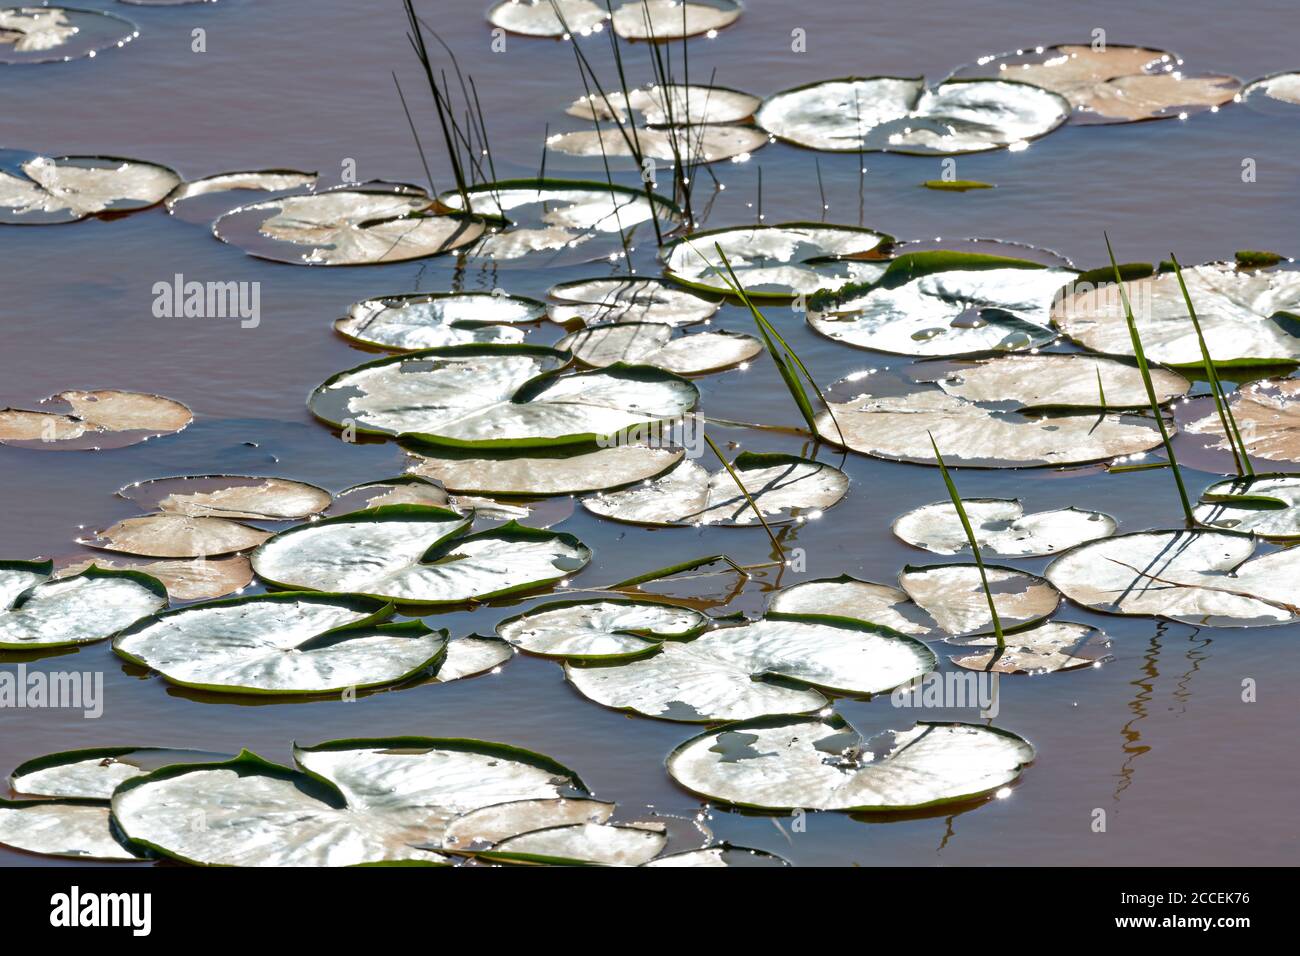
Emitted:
pixel 1001 527
pixel 600 630
pixel 423 320
pixel 38 614
pixel 1267 505
pixel 782 763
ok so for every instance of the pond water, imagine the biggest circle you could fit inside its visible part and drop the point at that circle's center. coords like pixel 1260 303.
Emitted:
pixel 1159 738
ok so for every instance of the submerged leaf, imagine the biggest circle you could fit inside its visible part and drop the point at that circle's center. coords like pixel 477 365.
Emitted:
pixel 898 114
pixel 37 613
pixel 423 320
pixel 591 630
pixel 786 762
pixel 1001 527
pixel 784 488
pixel 766 667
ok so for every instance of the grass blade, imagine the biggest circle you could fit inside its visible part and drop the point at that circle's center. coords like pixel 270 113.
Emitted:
pixel 780 552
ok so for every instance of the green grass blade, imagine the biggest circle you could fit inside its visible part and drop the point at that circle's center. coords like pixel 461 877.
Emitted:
pixel 780 552
pixel 1145 369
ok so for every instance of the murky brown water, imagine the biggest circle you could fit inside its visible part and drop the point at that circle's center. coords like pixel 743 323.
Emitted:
pixel 1159 737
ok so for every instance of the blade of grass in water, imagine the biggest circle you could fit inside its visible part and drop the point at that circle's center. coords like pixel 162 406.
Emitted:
pixel 780 552
pixel 970 538
pixel 1151 391
pixel 1226 418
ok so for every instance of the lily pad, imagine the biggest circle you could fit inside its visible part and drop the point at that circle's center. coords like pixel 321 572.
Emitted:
pixel 489 825
pixel 42 34
pixel 542 471
pixel 473 656
pixel 953 594
pixel 689 145
pixel 778 262
pixel 782 763
pixel 1266 505
pixel 259 180
pixel 403 490
pixel 896 423
pixel 979 304
pixel 424 320
pixel 77 829
pixel 601 301
pixel 537 18
pixel 196 579
pixel 348 226
pixel 784 487
pixel 1267 415
pixel 847 599
pixel 510 396
pixel 94 774
pixel 663 20
pixel 1001 527
pixel 1202 578
pixel 649 344
pixel 176 536
pixel 353 802
pixel 677 104
pixel 38 614
pixel 765 667
pixel 289 643
pixel 582 844
pixel 417 555
pixel 899 115
pixel 1060 382
pixel 1283 88
pixel 43 190
pixel 1045 649
pixel 230 496
pixel 557 214
pixel 105 418
pixel 600 630
pixel 1242 313
pixel 722 854
pixel 1115 84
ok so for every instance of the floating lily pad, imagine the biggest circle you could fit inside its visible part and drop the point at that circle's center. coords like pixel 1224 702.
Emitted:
pixel 259 180
pixel 953 594
pixel 197 579
pixel 230 496
pixel 417 555
pixel 506 396
pixel 556 214
pixel 722 854
pixel 784 487
pixel 77 829
pixel 677 104
pixel 41 34
pixel 537 18
pixel 689 145
pixel 897 421
pixel 542 471
pixel 1242 313
pixel 601 301
pixel 1059 382
pixel 662 20
pixel 38 614
pixel 1266 505
pixel 600 630
pixel 176 536
pixel 582 844
pixel 1281 88
pixel 899 115
pixel 1001 527
pixel 106 418
pixel 1047 648
pixel 766 667
pixel 473 656
pixel 425 320
pixel 489 825
pixel 353 802
pixel 43 190
pixel 649 344
pixel 847 599
pixel 291 643
pixel 966 305
pixel 778 262
pixel 403 490
pixel 1268 417
pixel 1202 578
pixel 353 225
pixel 782 763
pixel 1115 84
pixel 94 774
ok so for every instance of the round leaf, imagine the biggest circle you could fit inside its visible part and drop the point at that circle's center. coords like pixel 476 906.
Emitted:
pixel 1001 527
pixel 43 190
pixel 587 630
pixel 953 594
pixel 848 599
pixel 1266 505
pixel 600 301
pixel 642 344
pixel 428 320
pixel 230 496
pixel 39 614
pixel 1043 649
pixel 541 471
